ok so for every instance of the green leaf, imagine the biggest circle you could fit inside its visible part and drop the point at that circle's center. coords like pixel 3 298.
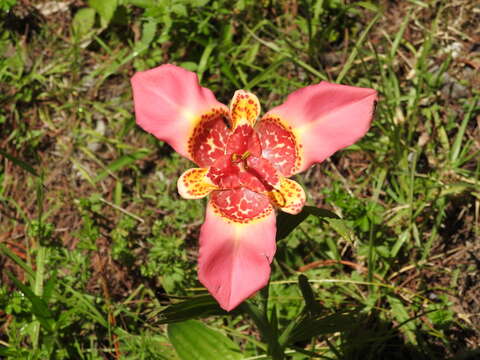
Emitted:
pixel 227 71
pixel 203 63
pixel 121 163
pixel 149 29
pixel 266 74
pixel 83 21
pixel 50 286
pixel 198 3
pixel 402 316
pixel 105 8
pixel 457 144
pixel 286 223
pixel 19 162
pixel 193 340
pixel 201 306
pixel 342 228
pixel 6 251
pixel 367 5
pixel 9 353
pixel 267 333
pixel 310 304
pixel 86 304
pixel 358 43
pixel 308 328
pixel 6 5
pixel 39 306
pixel 145 4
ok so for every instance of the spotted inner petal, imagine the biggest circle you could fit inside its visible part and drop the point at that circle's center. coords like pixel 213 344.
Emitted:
pixel 224 173
pixel 194 184
pixel 252 182
pixel 209 138
pixel 289 196
pixel 241 205
pixel 263 170
pixel 244 108
pixel 244 139
pixel 279 144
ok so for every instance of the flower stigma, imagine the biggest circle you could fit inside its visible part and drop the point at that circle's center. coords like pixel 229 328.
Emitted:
pixel 236 158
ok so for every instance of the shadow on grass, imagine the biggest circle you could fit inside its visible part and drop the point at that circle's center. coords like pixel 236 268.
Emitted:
pixel 373 338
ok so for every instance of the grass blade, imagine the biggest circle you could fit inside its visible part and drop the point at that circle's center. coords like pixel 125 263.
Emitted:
pixel 120 163
pixel 19 162
pixel 354 53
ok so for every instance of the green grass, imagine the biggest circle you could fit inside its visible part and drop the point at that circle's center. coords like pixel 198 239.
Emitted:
pixel 96 242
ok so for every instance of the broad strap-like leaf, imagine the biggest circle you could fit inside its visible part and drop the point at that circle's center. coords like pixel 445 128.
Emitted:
pixel 195 307
pixel 193 340
pixel 286 223
pixel 306 327
pixel 311 305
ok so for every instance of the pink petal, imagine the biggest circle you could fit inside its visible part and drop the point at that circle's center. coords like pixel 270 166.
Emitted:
pixel 171 104
pixel 234 260
pixel 324 118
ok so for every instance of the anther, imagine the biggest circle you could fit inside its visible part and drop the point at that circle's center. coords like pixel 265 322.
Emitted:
pixel 235 158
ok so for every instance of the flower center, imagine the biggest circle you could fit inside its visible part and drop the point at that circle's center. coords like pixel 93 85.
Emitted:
pixel 243 164
pixel 236 158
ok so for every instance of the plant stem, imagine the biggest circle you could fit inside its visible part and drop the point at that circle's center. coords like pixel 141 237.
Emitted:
pixel 38 288
pixel 268 334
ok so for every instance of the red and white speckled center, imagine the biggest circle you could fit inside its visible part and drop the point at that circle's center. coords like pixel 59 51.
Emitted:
pixel 244 163
pixel 209 138
pixel 278 145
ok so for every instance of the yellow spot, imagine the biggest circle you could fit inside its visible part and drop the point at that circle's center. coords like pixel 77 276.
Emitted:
pixel 194 184
pixel 289 196
pixel 244 108
pixel 277 198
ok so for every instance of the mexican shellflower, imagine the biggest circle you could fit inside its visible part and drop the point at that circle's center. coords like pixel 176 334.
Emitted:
pixel 243 164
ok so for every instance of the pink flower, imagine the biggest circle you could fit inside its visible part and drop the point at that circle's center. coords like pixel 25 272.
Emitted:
pixel 244 164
